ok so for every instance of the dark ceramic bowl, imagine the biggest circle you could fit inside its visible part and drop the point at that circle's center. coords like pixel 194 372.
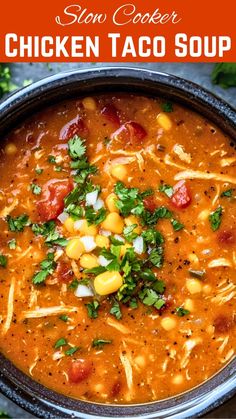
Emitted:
pixel 22 389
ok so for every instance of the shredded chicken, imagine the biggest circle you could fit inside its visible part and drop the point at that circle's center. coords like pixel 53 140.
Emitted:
pixel 227 161
pixel 10 307
pixel 215 263
pixel 197 174
pixel 118 326
pixel 178 149
pixel 224 294
pixel 128 373
pixel 169 162
pixel 188 347
pixel 7 210
pixel 48 311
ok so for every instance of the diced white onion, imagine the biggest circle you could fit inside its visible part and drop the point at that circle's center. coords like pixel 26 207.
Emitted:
pixel 98 204
pixel 103 261
pixel 57 355
pixel 89 243
pixel 138 245
pixel 105 233
pixel 120 238
pixel 78 224
pixel 83 291
pixel 91 197
pixel 62 217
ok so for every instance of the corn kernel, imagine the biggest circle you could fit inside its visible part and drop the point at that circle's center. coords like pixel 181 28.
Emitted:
pixel 119 171
pixel 178 379
pixel 189 305
pixel 194 286
pixel 168 323
pixel 110 202
pixel 10 149
pixel 108 282
pixel 89 104
pixel 88 261
pixel 69 225
pixel 102 241
pixel 85 229
pixel 140 361
pixel 124 249
pixel 130 220
pixel 206 289
pixel 164 121
pixel 74 248
pixel 114 223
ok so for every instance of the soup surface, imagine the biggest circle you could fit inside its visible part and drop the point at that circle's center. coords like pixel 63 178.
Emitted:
pixel 118 248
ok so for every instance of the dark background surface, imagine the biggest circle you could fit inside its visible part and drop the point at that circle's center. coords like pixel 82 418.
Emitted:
pixel 198 73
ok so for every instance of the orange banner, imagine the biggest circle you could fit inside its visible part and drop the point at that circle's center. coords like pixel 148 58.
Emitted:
pixel 117 30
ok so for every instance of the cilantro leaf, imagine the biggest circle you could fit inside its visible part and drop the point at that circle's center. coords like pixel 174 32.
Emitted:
pixel 180 311
pixel 156 257
pixel 47 267
pixel 92 309
pixel 12 244
pixel 60 342
pixel 150 297
pixel 129 233
pixel 215 218
pixel 76 147
pixel 115 310
pixel 99 343
pixel 224 74
pixel 151 218
pixel 228 193
pixel 3 261
pixel 176 224
pixel 36 189
pixel 95 217
pixel 72 350
pixel 152 236
pixel 18 223
pixel 64 318
pixel 167 189
pixel 167 107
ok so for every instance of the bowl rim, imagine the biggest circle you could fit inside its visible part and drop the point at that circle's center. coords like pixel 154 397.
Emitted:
pixel 46 403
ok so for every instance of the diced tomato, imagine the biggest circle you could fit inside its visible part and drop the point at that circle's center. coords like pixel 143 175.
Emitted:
pixel 63 272
pixel 227 237
pixel 223 324
pixel 80 370
pixel 75 127
pixel 53 196
pixel 115 389
pixel 111 113
pixel 131 133
pixel 149 203
pixel 181 197
pixel 136 131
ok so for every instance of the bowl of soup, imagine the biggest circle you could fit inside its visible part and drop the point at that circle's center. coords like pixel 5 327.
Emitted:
pixel 118 246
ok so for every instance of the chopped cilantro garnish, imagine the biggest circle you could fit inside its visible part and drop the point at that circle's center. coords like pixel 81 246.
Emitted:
pixel 156 257
pixel 36 189
pixel 60 342
pixel 92 309
pixel 64 318
pixel 167 107
pixel 95 217
pixel 99 343
pixel 129 233
pixel 150 297
pixel 152 236
pixel 38 171
pixel 130 200
pixel 12 244
pixel 215 218
pixel 76 147
pixel 176 225
pixel 180 311
pixel 3 261
pixel 17 223
pixel 6 86
pixel 95 271
pixel 133 303
pixel 51 159
pixel 58 168
pixel 72 350
pixel 115 310
pixel 3 413
pixel 167 189
pixel 228 193
pixel 112 256
pixel 48 230
pixel 47 267
pixel 151 218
